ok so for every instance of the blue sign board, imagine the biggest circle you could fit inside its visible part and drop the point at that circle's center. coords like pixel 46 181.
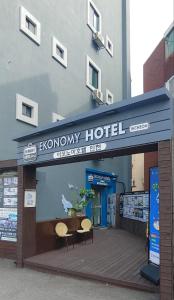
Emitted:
pixel 154 230
pixel 97 179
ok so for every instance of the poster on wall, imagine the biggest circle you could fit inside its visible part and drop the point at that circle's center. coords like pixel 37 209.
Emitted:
pixel 8 224
pixel 10 181
pixel 30 198
pixel 10 202
pixel 154 230
pixel 10 191
pixel 8 207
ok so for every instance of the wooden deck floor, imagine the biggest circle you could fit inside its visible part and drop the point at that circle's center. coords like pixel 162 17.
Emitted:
pixel 115 257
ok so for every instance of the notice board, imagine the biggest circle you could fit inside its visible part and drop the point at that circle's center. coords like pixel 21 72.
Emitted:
pixel 135 206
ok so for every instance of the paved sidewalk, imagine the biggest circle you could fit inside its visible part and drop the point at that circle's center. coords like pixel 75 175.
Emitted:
pixel 20 284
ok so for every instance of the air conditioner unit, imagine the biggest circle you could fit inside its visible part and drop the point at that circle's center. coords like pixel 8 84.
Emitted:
pixel 98 40
pixel 97 96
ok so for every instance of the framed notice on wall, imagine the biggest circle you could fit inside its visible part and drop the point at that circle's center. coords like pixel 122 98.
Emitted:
pixel 135 206
pixel 30 198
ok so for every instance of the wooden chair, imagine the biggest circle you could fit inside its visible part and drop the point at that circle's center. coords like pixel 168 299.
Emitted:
pixel 86 225
pixel 62 232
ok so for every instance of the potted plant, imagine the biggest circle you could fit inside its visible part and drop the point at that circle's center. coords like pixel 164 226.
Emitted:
pixel 79 200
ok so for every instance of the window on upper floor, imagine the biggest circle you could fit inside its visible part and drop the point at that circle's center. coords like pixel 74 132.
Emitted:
pixel 109 46
pixel 59 52
pixel 30 25
pixel 93 80
pixel 26 110
pixel 56 117
pixel 94 17
pixel 169 43
pixel 93 76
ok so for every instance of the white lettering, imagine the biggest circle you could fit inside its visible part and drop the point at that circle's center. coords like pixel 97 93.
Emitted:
pixel 50 144
pixel 77 136
pixel 106 128
pixel 80 150
pixel 98 133
pixel 120 128
pixel 139 127
pixel 70 139
pixel 56 142
pixel 89 135
pixel 63 141
pixel 45 145
pixel 114 129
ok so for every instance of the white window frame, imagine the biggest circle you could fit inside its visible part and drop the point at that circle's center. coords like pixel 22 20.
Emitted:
pixel 88 62
pixel 56 117
pixel 110 51
pixel 108 93
pixel 26 14
pixel 63 61
pixel 20 100
pixel 91 3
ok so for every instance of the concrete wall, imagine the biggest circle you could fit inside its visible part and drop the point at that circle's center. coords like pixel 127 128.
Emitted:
pixel 52 186
pixel 30 70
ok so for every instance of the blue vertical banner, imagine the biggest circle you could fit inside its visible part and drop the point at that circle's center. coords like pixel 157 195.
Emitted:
pixel 154 230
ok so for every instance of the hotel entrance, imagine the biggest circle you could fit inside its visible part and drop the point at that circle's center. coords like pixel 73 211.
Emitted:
pixel 144 127
pixel 97 207
pixel 101 211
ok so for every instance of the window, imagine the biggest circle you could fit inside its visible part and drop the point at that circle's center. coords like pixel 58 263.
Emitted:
pixel 96 20
pixel 109 97
pixel 109 46
pixel 56 117
pixel 26 110
pixel 94 17
pixel 30 25
pixel 93 76
pixel 169 43
pixel 93 80
pixel 59 52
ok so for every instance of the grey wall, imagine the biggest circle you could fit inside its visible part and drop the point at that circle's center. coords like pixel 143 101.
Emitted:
pixel 29 69
pixel 53 182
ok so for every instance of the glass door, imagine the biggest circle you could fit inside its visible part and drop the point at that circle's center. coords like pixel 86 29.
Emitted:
pixel 96 208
